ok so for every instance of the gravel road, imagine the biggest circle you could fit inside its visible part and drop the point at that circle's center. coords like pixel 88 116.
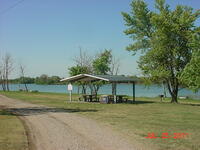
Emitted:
pixel 61 129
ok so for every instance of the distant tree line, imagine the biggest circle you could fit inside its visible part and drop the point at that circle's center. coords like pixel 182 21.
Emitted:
pixel 46 80
pixel 43 79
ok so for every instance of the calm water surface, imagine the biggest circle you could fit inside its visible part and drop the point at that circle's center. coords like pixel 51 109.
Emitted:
pixel 124 89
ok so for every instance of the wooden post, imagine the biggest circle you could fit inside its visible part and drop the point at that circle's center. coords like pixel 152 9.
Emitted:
pixel 133 91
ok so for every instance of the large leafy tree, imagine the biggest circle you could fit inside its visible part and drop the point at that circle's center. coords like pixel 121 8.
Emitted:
pixel 101 66
pixel 80 69
pixel 191 73
pixel 166 39
pixel 82 66
pixel 75 70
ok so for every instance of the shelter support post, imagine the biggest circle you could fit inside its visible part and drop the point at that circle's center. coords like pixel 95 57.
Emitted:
pixel 133 91
pixel 114 91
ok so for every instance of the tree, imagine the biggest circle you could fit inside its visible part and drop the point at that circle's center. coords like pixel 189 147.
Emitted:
pixel 114 65
pixel 43 79
pixel 54 80
pixel 83 61
pixel 101 66
pixel 191 73
pixel 83 65
pixel 2 78
pixel 75 70
pixel 114 70
pixel 24 80
pixel 165 39
pixel 6 69
pixel 22 76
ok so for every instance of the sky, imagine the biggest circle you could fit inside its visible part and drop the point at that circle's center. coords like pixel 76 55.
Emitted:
pixel 45 35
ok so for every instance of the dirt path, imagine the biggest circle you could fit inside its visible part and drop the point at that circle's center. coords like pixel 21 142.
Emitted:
pixel 61 129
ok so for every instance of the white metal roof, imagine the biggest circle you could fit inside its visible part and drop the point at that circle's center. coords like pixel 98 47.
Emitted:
pixel 108 78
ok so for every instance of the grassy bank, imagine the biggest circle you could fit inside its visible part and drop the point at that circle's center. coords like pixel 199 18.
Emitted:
pixel 135 121
pixel 12 133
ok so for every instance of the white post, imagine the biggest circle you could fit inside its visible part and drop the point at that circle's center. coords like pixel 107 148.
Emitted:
pixel 70 88
pixel 70 94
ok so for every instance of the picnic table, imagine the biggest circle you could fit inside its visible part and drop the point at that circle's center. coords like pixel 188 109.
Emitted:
pixel 107 99
pixel 111 99
pixel 121 98
pixel 89 97
pixel 103 98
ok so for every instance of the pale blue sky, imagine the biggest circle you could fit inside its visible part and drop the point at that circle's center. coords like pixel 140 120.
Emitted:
pixel 45 35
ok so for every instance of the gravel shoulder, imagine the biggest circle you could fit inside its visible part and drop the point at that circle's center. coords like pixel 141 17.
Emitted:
pixel 56 129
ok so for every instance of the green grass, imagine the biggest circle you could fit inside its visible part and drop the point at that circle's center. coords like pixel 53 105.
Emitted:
pixel 135 121
pixel 12 133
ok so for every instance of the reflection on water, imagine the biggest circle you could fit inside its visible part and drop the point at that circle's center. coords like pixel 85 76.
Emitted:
pixel 125 89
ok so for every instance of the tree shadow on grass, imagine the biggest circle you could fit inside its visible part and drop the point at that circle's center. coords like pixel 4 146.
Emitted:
pixel 42 110
pixel 5 113
pixel 192 104
pixel 139 102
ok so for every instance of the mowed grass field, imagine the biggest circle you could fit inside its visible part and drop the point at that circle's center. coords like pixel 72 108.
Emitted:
pixel 12 133
pixel 135 121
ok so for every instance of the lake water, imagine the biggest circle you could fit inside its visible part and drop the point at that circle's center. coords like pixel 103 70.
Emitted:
pixel 124 89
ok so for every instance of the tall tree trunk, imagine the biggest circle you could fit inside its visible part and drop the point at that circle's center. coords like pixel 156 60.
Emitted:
pixel 7 85
pixel 164 90
pixel 83 89
pixel 91 88
pixel 174 99
pixel 174 96
pixel 3 85
pixel 23 81
pixel 96 88
pixel 173 90
pixel 26 87
pixel 78 89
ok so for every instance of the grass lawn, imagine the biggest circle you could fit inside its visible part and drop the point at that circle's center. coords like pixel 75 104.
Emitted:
pixel 135 121
pixel 12 133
